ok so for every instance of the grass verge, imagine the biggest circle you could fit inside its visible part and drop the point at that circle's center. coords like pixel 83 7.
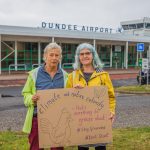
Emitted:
pixel 135 89
pixel 123 139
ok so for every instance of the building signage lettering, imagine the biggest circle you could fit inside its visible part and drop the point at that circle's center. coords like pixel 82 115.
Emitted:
pixel 75 27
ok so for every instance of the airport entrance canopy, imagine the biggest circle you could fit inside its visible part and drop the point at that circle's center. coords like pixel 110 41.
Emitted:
pixel 22 47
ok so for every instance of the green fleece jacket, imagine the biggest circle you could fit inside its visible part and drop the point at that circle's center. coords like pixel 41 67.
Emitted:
pixel 28 91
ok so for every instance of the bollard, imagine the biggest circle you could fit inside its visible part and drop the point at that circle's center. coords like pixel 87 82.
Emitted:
pixel 140 77
pixel 147 76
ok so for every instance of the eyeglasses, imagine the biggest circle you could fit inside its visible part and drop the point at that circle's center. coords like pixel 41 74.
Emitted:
pixel 86 54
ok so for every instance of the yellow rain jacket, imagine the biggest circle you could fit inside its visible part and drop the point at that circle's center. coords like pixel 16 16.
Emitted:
pixel 99 77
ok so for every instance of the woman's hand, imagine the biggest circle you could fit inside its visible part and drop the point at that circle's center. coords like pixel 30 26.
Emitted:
pixel 35 98
pixel 78 86
pixel 112 117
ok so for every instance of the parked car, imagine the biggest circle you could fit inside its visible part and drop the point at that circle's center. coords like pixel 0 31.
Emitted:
pixel 143 76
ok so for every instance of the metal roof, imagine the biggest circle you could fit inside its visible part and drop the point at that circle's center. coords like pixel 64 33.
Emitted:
pixel 143 20
pixel 43 32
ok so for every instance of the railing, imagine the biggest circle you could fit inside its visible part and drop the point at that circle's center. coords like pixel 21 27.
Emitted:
pixel 17 65
pixel 35 65
pixel 67 65
pixel 106 64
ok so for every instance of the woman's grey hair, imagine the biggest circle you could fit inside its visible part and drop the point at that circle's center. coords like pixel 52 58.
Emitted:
pixel 50 47
pixel 96 60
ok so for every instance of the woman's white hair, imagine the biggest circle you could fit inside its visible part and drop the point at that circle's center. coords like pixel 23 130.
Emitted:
pixel 96 60
pixel 50 47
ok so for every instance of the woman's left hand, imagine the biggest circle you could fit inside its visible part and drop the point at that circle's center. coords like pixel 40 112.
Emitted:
pixel 112 117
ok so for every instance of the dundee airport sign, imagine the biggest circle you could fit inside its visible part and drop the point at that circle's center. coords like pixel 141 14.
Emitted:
pixel 75 27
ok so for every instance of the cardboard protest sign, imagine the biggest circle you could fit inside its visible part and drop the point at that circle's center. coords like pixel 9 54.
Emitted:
pixel 69 117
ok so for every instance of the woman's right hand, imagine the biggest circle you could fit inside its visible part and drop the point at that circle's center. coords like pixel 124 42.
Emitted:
pixel 78 86
pixel 35 98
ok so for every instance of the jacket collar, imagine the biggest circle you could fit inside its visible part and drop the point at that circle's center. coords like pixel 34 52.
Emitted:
pixel 96 73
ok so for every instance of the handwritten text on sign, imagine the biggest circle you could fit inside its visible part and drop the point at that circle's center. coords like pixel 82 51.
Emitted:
pixel 68 117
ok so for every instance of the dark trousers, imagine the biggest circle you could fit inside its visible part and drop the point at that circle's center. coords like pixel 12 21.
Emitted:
pixel 96 148
pixel 34 137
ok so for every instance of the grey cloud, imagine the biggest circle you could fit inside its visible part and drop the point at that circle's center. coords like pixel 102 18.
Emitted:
pixel 106 13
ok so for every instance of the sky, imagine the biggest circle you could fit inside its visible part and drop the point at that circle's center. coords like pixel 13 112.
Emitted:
pixel 96 13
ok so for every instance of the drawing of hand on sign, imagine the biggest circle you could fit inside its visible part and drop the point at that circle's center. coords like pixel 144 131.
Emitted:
pixel 100 95
pixel 61 132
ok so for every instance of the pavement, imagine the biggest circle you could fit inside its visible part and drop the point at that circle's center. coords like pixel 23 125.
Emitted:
pixel 12 110
pixel 131 111
pixel 19 78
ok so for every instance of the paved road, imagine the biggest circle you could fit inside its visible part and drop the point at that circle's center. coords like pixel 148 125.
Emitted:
pixel 12 113
pixel 16 91
pixel 124 82
pixel 132 111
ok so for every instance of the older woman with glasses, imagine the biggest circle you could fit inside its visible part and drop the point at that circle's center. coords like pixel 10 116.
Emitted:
pixel 88 72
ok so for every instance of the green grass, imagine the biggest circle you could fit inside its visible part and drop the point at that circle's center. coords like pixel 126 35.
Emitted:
pixel 137 88
pixel 13 141
pixel 131 139
pixel 124 139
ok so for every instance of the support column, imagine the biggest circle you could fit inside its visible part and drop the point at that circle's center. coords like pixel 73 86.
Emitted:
pixel 111 56
pixel 137 58
pixel 140 54
pixel 148 53
pixel 94 44
pixel 126 55
pixel 53 39
pixel 16 58
pixel 39 53
pixel 0 55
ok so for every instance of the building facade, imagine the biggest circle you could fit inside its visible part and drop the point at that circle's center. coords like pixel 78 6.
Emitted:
pixel 21 48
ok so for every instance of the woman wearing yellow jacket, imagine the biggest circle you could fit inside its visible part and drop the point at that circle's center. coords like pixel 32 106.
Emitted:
pixel 88 72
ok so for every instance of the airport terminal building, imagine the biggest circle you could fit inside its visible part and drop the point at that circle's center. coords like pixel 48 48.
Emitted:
pixel 21 48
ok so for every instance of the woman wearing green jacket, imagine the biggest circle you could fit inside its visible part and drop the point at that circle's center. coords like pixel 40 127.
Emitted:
pixel 48 76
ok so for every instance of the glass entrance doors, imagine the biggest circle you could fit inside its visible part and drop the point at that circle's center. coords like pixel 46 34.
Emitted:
pixel 104 54
pixel 68 52
pixel 118 57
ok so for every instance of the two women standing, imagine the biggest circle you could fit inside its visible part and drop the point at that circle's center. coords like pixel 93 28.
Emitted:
pixel 87 72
